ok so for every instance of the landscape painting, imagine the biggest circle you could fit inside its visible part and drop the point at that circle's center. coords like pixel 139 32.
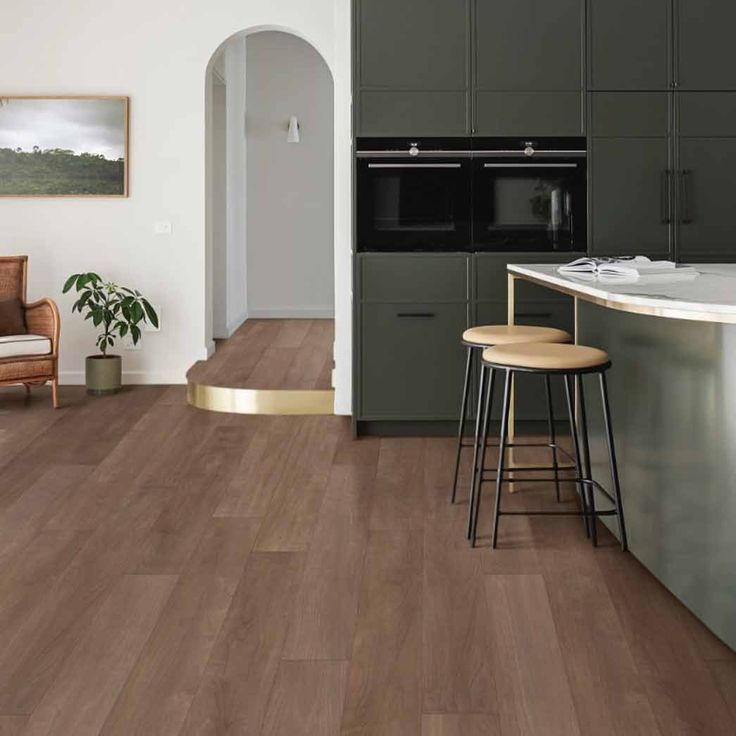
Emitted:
pixel 63 146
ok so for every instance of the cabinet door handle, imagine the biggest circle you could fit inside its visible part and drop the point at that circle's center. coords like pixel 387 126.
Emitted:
pixel 415 315
pixel 686 197
pixel 666 217
pixel 533 315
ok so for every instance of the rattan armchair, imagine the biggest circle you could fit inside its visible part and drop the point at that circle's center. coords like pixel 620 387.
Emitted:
pixel 42 318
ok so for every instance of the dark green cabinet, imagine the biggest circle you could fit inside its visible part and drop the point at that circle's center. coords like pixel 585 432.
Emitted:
pixel 412 67
pixel 706 54
pixel 412 360
pixel 411 313
pixel 629 44
pixel 528 67
pixel 707 219
pixel 631 188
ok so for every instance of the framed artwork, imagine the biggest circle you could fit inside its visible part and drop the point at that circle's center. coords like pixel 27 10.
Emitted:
pixel 63 146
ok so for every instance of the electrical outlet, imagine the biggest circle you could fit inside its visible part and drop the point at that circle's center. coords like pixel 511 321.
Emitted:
pixel 148 327
pixel 162 228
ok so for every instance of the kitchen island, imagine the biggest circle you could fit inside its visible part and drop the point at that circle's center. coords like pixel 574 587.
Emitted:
pixel 673 396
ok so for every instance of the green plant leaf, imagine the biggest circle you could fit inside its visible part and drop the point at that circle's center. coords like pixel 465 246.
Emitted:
pixel 70 282
pixel 135 334
pixel 150 313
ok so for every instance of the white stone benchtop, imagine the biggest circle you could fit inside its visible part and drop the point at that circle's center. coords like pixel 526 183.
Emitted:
pixel 709 297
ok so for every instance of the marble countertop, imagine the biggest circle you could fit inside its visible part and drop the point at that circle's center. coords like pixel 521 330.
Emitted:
pixel 711 296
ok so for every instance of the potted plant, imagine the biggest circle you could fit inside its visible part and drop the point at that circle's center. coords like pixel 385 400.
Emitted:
pixel 117 311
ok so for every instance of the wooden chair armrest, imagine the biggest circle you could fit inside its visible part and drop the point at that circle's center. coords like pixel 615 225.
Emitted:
pixel 42 318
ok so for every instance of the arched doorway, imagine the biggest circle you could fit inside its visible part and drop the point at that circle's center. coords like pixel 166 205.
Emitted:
pixel 270 250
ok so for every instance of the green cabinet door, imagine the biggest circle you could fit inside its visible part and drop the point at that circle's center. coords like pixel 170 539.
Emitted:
pixel 631 188
pixel 528 68
pixel 528 45
pixel 706 53
pixel 412 67
pixel 412 361
pixel 629 44
pixel 707 200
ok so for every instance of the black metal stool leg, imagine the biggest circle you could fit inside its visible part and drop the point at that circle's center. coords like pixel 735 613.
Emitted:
pixel 461 428
pixel 502 452
pixel 552 437
pixel 588 473
pixel 476 448
pixel 487 408
pixel 613 462
pixel 576 450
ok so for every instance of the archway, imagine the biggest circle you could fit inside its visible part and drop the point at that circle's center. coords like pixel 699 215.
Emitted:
pixel 270 250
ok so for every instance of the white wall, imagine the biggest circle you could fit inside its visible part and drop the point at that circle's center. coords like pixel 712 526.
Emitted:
pixel 218 209
pixel 290 192
pixel 156 53
pixel 236 301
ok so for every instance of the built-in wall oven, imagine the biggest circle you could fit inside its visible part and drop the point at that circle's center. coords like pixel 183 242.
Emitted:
pixel 487 194
pixel 413 195
pixel 529 194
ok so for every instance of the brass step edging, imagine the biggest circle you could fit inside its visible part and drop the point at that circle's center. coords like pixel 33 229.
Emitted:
pixel 260 401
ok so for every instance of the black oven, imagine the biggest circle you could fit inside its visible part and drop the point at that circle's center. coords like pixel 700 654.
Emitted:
pixel 529 195
pixel 413 194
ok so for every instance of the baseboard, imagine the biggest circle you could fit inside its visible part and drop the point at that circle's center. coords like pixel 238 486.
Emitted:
pixel 130 378
pixel 327 312
pixel 209 350
pixel 232 327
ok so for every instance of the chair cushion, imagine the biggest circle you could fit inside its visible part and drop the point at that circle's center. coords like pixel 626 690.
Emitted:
pixel 545 356
pixel 12 318
pixel 487 335
pixel 18 346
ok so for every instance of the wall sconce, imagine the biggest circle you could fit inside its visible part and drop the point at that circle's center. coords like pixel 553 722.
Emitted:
pixel 293 134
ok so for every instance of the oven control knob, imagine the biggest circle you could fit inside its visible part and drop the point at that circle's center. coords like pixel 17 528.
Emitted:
pixel 413 151
pixel 529 151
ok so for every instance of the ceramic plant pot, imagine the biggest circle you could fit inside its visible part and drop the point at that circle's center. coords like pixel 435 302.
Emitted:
pixel 103 374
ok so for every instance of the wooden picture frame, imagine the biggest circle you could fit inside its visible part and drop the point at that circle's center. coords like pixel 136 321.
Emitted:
pixel 46 178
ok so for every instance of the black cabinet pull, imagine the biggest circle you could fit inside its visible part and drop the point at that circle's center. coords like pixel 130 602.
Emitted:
pixel 666 186
pixel 416 315
pixel 686 197
pixel 533 315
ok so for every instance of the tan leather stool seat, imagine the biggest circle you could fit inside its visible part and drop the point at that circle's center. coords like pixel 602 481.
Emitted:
pixel 546 356
pixel 487 335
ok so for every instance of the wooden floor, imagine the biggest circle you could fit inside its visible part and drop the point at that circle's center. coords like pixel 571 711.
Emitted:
pixel 170 571
pixel 272 354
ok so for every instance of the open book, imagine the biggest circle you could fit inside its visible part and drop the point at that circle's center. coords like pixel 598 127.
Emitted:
pixel 627 270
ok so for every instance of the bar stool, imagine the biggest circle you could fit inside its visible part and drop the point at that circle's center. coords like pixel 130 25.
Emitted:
pixel 477 339
pixel 571 362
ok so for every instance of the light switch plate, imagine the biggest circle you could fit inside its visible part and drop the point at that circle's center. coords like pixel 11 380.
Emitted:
pixel 162 228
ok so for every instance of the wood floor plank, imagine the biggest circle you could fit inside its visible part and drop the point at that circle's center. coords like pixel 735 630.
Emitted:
pixel 460 725
pixel 307 699
pixel 23 519
pixel 399 497
pixel 292 513
pixel 533 692
pixel 187 513
pixel 724 671
pixel 12 725
pixel 53 627
pixel 457 640
pixel 164 681
pixel 323 620
pixel 26 578
pixel 234 689
pixel 384 690
pixel 102 660
pixel 162 685
pixel 678 681
pixel 261 468
pixel 293 333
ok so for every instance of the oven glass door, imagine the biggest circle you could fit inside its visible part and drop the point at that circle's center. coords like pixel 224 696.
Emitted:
pixel 534 206
pixel 413 205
